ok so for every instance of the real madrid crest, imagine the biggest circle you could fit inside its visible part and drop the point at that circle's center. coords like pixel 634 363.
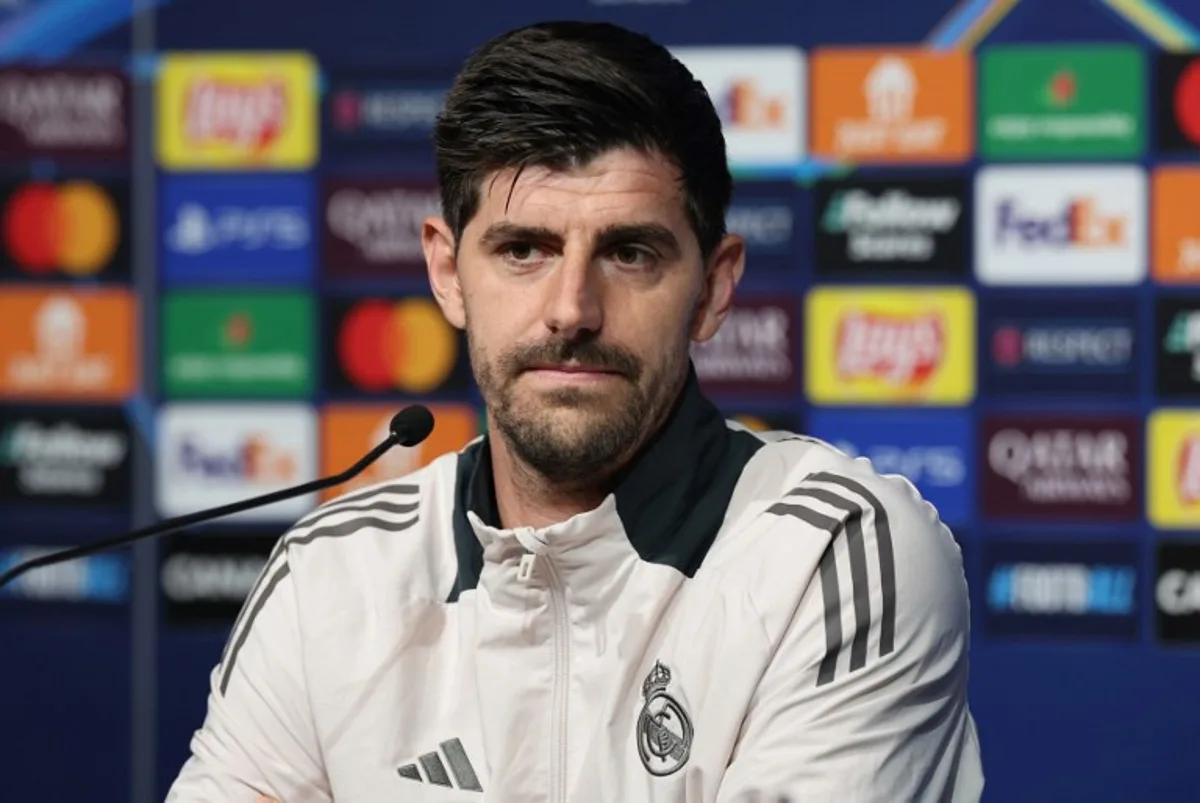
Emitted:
pixel 664 730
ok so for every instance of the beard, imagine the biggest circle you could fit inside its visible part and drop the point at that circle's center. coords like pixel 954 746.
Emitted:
pixel 571 435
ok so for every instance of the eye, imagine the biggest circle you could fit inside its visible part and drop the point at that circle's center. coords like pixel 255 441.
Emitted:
pixel 520 252
pixel 632 256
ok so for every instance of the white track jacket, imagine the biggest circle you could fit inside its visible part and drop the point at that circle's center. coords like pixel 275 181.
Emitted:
pixel 747 617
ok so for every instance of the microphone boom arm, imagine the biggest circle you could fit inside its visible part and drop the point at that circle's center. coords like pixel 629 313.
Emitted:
pixel 179 522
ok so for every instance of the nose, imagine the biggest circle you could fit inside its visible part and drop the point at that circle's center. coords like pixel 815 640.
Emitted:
pixel 574 301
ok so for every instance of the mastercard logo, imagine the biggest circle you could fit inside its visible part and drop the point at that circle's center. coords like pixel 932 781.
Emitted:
pixel 1187 102
pixel 73 227
pixel 401 345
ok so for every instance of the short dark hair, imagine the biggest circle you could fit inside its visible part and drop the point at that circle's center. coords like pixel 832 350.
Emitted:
pixel 558 95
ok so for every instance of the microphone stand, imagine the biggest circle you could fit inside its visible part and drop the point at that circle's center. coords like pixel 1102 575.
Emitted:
pixel 410 426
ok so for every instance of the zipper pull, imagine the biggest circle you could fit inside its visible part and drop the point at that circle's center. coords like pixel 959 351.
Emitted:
pixel 525 569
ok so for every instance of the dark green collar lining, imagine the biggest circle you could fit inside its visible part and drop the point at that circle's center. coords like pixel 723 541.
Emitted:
pixel 671 499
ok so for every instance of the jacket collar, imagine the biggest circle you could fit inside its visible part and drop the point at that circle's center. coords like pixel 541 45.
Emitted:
pixel 671 498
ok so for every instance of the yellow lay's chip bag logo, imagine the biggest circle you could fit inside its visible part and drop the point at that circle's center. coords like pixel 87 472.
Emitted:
pixel 898 349
pixel 246 114
pixel 1188 472
pixel 225 111
pixel 1173 468
pixel 890 345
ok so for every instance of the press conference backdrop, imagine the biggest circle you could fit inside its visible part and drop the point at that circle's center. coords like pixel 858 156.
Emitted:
pixel 974 257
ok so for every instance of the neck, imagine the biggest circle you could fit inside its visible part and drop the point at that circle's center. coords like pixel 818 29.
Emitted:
pixel 526 498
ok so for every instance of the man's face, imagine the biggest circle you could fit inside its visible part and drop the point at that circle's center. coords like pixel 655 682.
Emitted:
pixel 580 292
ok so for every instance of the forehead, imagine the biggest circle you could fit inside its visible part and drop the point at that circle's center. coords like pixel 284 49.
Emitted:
pixel 616 187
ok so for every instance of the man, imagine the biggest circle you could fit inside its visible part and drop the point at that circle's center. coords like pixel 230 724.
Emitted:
pixel 615 595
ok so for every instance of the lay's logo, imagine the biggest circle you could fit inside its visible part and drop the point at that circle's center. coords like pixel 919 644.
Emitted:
pixel 901 350
pixel 244 114
pixel 230 111
pixel 890 345
pixel 1188 470
pixel 1173 468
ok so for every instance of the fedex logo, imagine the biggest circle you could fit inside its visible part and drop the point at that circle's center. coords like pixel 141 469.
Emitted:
pixel 215 454
pixel 759 95
pixel 1079 225
pixel 744 105
pixel 1082 223
pixel 254 460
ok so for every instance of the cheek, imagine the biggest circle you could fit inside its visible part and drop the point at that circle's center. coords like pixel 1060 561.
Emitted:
pixel 663 330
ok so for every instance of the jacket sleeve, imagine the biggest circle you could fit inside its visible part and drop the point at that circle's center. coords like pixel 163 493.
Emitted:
pixel 258 736
pixel 865 699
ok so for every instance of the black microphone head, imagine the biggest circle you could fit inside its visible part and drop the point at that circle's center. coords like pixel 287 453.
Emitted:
pixel 412 425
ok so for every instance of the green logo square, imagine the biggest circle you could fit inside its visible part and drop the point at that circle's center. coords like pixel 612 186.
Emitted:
pixel 251 344
pixel 1083 102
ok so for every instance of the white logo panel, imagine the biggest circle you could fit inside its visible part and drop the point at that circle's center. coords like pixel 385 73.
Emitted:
pixel 759 93
pixel 1060 226
pixel 216 454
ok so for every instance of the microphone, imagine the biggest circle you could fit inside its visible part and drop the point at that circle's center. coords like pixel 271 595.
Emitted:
pixel 408 427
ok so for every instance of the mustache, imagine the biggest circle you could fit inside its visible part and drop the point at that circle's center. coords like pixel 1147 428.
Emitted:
pixel 585 353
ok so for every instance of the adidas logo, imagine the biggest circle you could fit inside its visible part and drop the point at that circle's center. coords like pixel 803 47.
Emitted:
pixel 447 766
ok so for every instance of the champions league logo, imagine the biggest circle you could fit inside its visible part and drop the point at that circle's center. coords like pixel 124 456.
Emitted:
pixel 664 730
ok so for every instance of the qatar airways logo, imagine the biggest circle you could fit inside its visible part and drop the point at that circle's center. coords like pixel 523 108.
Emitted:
pixel 373 227
pixel 753 349
pixel 1079 468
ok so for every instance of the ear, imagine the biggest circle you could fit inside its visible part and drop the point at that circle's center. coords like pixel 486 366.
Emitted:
pixel 437 241
pixel 722 274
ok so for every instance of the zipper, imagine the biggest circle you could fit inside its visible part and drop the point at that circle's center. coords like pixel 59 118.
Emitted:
pixel 560 694
pixel 562 678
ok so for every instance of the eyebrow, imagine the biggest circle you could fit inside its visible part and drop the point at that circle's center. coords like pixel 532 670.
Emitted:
pixel 618 234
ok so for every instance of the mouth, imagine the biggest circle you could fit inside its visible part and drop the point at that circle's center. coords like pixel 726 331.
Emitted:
pixel 571 371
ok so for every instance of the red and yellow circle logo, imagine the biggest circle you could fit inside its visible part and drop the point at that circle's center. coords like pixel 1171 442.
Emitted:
pixel 403 345
pixel 73 227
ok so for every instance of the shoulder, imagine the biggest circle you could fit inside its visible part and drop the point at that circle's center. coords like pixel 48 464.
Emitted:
pixel 809 480
pixel 816 516
pixel 385 533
